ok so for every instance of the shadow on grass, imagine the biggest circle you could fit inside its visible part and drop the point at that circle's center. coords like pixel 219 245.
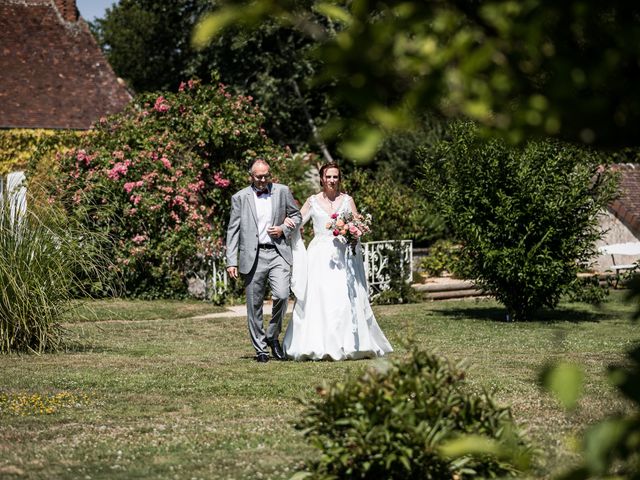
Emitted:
pixel 74 346
pixel 561 314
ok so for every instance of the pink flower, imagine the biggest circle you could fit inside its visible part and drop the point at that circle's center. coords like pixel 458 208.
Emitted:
pixel 139 239
pixel 197 186
pixel 119 169
pixel 182 86
pixel 174 216
pixel 336 232
pixel 334 216
pixel 129 186
pixel 82 156
pixel 165 161
pixel 135 199
pixel 219 181
pixel 161 105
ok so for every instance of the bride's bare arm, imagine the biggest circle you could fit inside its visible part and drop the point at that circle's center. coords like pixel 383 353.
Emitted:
pixel 304 211
pixel 352 206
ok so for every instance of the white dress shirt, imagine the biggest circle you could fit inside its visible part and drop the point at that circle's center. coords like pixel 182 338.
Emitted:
pixel 264 211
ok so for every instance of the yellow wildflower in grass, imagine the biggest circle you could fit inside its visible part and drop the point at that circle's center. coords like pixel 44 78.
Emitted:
pixel 24 404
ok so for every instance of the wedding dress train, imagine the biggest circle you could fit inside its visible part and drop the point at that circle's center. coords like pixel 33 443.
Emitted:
pixel 332 317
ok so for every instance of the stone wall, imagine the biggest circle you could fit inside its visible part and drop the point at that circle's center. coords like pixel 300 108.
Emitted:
pixel 616 232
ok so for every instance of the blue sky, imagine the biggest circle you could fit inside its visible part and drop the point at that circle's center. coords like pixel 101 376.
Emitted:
pixel 92 9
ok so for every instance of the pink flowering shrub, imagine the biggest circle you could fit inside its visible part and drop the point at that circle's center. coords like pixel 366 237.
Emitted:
pixel 158 180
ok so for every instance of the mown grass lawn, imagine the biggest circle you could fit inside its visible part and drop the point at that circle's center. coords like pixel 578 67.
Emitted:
pixel 144 391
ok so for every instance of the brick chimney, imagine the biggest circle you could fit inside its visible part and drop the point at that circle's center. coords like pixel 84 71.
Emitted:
pixel 68 10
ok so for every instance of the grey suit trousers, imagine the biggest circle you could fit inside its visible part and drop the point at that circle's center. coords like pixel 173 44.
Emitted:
pixel 272 268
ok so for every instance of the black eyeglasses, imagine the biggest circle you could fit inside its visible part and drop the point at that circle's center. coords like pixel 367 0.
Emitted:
pixel 266 176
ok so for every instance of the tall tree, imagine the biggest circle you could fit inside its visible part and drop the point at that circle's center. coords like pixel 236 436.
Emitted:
pixel 562 69
pixel 148 44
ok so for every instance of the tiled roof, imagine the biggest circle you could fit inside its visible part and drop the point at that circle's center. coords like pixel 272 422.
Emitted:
pixel 52 72
pixel 627 207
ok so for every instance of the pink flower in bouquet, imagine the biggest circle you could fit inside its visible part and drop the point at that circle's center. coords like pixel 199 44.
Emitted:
pixel 349 227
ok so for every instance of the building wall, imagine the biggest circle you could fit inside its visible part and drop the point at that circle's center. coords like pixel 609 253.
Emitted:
pixel 615 232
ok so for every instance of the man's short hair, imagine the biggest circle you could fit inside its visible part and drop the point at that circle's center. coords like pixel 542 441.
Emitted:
pixel 258 160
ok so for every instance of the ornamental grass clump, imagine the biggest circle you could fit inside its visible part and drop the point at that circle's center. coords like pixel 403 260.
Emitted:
pixel 412 418
pixel 43 258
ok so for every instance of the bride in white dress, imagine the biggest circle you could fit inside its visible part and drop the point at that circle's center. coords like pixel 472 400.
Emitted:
pixel 332 317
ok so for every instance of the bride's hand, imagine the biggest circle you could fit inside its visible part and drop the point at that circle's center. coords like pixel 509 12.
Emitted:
pixel 289 223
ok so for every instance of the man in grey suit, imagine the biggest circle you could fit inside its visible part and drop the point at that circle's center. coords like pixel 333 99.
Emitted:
pixel 258 248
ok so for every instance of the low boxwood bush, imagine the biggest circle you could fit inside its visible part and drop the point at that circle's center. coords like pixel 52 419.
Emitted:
pixel 396 421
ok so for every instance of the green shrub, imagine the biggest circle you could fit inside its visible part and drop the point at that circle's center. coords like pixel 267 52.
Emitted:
pixel 398 211
pixel 527 216
pixel 43 259
pixel 158 178
pixel 589 290
pixel 395 420
pixel 442 257
pixel 20 146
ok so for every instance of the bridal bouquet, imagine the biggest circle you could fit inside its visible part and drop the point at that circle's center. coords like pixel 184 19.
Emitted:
pixel 349 227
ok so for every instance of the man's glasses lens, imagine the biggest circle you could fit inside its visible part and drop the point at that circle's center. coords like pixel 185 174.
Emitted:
pixel 262 177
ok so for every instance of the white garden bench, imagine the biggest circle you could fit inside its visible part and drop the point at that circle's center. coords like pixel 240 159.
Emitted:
pixel 629 248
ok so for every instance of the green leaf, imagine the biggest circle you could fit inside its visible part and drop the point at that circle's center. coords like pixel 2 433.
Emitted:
pixel 212 24
pixel 601 443
pixel 470 445
pixel 564 380
pixel 334 13
pixel 300 476
pixel 363 144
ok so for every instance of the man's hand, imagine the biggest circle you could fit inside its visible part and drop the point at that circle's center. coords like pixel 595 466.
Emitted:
pixel 289 222
pixel 274 231
pixel 233 272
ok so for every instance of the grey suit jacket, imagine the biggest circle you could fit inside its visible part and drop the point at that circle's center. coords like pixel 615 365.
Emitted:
pixel 242 232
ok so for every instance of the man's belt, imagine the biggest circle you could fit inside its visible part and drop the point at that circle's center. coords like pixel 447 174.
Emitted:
pixel 266 245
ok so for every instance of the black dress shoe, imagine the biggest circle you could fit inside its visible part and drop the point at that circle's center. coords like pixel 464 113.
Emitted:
pixel 262 358
pixel 276 350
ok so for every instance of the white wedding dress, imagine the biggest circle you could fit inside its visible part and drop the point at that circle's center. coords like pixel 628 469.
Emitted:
pixel 332 317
